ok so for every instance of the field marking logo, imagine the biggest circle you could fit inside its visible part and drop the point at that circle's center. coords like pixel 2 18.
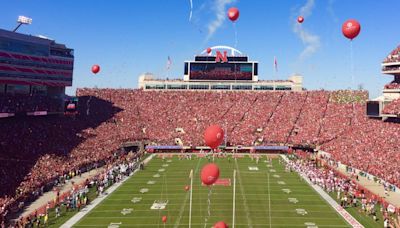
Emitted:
pixel 286 190
pixel 159 205
pixel 144 190
pixel 281 182
pixel 151 182
pixel 301 211
pixel 253 168
pixel 276 176
pixel 310 225
pixel 156 175
pixel 165 165
pixel 136 199
pixel 161 170
pixel 126 211
pixel 293 200
pixel 114 225
pixel 269 166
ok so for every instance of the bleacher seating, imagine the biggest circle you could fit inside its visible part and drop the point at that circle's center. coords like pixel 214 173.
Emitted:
pixel 52 146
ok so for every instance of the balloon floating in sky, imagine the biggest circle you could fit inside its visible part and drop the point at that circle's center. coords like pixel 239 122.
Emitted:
pixel 209 50
pixel 300 19
pixel 213 136
pixel 209 174
pixel 233 14
pixel 164 219
pixel 95 69
pixel 351 28
pixel 220 224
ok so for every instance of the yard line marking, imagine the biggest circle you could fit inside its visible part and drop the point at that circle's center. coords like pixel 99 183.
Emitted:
pixel 269 203
pixel 249 223
pixel 182 209
pixel 198 224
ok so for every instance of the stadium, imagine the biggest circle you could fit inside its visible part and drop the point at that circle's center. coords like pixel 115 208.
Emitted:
pixel 216 147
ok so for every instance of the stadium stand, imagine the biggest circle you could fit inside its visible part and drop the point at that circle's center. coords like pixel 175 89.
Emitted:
pixel 393 107
pixel 393 56
pixel 333 120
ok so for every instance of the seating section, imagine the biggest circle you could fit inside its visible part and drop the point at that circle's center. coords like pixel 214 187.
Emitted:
pixel 53 146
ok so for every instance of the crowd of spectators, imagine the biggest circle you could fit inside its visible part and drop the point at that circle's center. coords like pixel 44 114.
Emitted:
pixel 347 191
pixel 392 108
pixel 37 152
pixel 77 197
pixel 394 56
pixel 392 85
pixel 334 120
pixel 26 103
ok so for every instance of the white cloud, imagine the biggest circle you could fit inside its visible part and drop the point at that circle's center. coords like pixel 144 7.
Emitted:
pixel 219 7
pixel 311 41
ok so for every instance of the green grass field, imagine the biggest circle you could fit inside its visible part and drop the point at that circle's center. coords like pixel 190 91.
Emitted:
pixel 260 199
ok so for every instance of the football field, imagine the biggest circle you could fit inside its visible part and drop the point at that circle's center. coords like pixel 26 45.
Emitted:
pixel 265 196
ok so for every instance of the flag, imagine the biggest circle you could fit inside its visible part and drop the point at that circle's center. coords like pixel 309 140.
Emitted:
pixel 275 64
pixel 169 63
pixel 191 174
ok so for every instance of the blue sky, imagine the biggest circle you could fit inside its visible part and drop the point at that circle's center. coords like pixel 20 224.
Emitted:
pixel 130 37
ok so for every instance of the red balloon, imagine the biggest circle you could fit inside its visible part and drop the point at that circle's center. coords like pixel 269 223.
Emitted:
pixel 209 174
pixel 164 219
pixel 221 224
pixel 187 188
pixel 300 19
pixel 233 13
pixel 209 50
pixel 95 69
pixel 213 136
pixel 351 28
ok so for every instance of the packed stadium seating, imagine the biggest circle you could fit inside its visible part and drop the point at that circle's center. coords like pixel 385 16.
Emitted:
pixel 393 56
pixel 36 151
pixel 392 108
pixel 334 120
pixel 393 85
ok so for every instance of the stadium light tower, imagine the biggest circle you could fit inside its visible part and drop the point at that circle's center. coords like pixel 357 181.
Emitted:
pixel 22 20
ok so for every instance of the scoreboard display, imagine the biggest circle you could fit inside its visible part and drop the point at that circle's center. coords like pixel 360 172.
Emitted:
pixel 233 71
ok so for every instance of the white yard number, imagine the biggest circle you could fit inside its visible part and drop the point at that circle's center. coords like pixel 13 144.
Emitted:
pixel 114 225
pixel 159 205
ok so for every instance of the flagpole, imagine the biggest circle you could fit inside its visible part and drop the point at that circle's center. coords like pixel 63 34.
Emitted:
pixel 191 195
pixel 234 199
pixel 273 69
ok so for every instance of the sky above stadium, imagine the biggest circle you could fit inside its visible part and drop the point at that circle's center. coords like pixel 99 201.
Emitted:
pixel 127 38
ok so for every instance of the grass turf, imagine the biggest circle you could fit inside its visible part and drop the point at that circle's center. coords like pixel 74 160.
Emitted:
pixel 260 200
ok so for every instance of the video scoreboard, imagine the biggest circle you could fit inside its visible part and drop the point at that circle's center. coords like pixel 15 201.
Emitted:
pixel 221 68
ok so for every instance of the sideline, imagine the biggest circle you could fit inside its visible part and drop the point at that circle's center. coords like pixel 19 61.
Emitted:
pixel 49 196
pixel 78 216
pixel 342 212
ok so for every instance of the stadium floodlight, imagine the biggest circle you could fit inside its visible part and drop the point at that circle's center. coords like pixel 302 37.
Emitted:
pixel 22 20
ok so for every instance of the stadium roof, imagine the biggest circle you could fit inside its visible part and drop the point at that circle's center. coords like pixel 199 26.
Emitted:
pixel 29 38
